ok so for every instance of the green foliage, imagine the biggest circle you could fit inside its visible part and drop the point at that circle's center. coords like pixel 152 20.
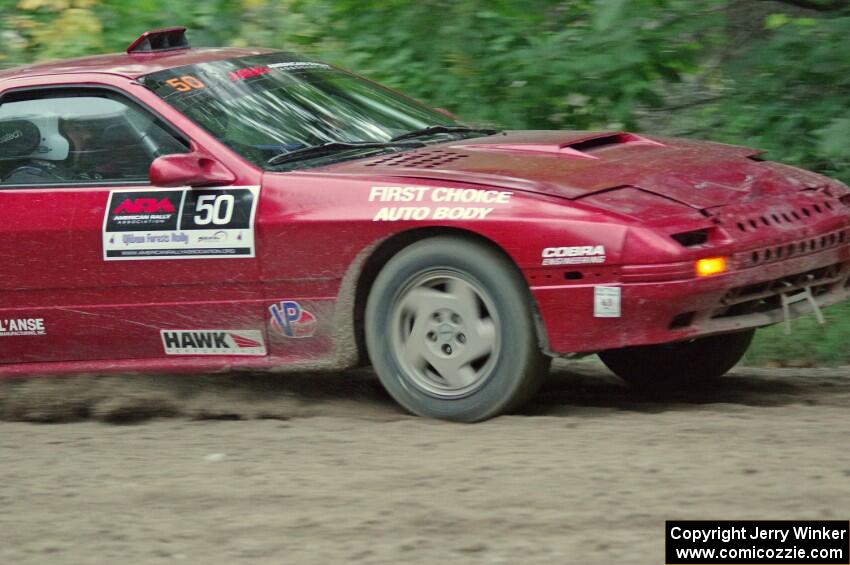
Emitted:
pixel 809 342
pixel 787 93
pixel 533 64
pixel 767 74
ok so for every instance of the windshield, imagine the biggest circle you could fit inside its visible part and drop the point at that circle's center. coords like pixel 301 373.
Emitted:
pixel 270 105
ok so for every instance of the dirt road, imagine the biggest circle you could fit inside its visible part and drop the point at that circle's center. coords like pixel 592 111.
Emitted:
pixel 325 469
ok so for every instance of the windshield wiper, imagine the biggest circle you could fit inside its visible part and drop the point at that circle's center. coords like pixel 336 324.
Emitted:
pixel 333 147
pixel 431 130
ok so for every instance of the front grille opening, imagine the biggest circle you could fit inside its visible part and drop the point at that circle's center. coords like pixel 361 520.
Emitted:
pixel 682 321
pixel 753 307
pixel 573 276
pixel 692 238
pixel 748 225
pixel 788 250
pixel 767 296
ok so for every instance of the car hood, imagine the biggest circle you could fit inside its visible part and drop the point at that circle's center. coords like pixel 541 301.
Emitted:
pixel 577 164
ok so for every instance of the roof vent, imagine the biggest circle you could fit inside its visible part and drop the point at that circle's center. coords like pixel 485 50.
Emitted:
pixel 155 41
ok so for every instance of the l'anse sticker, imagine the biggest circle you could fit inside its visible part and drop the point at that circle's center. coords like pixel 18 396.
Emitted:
pixel 289 319
pixel 436 203
pixel 22 327
pixel 213 342
pixel 180 224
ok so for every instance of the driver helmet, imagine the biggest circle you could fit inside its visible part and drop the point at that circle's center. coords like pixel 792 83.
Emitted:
pixel 32 137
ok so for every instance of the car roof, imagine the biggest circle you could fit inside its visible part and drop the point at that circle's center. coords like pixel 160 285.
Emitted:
pixel 131 65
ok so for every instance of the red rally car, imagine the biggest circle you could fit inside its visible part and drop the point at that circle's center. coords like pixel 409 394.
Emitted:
pixel 177 209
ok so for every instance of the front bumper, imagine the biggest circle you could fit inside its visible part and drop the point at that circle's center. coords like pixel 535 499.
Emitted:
pixel 654 310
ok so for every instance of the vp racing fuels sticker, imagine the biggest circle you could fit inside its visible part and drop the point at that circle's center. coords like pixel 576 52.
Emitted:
pixel 213 342
pixel 289 319
pixel 180 224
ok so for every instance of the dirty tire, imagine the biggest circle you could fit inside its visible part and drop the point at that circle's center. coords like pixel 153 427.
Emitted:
pixel 450 331
pixel 687 363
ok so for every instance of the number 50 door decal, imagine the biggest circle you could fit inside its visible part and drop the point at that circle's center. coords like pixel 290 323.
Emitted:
pixel 180 224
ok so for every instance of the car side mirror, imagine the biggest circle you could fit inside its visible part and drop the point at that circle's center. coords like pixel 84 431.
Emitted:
pixel 189 169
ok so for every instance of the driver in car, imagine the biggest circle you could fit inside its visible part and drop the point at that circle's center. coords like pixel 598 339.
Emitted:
pixel 57 157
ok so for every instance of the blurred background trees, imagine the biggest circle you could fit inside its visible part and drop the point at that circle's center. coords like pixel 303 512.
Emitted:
pixel 768 74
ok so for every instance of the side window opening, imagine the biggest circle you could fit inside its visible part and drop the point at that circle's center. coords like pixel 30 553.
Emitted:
pixel 83 136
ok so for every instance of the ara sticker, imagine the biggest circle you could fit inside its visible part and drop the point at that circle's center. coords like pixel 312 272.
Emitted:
pixel 180 224
pixel 289 319
pixel 606 302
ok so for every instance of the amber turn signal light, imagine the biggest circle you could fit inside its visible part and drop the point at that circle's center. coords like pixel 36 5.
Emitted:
pixel 712 266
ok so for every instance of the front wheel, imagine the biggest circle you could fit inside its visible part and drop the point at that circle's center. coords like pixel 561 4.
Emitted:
pixel 679 364
pixel 450 331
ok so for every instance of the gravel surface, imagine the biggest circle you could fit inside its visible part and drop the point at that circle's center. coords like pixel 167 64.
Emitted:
pixel 326 469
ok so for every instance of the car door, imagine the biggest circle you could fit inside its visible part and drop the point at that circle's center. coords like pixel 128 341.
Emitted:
pixel 99 264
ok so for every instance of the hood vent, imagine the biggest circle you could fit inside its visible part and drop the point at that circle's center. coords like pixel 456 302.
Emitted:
pixel 421 160
pixel 598 143
pixel 692 238
pixel 583 147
